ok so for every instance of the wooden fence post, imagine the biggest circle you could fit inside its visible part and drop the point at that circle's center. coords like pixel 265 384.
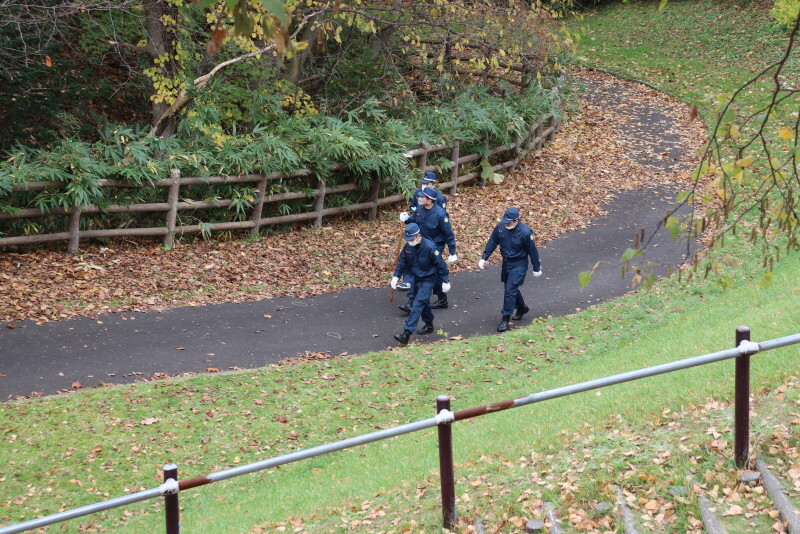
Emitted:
pixel 422 161
pixel 172 201
pixel 486 151
pixel 374 191
pixel 531 134
pixel 538 133
pixel 515 153
pixel 454 155
pixel 258 209
pixel 74 230
pixel 319 203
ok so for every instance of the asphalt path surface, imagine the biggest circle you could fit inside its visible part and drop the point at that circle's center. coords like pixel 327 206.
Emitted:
pixel 128 347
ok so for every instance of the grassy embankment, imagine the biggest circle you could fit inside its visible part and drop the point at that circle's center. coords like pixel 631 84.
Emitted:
pixel 68 451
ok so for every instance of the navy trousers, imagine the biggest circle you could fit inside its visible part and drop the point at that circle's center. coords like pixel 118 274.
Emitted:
pixel 513 276
pixel 408 276
pixel 437 287
pixel 421 307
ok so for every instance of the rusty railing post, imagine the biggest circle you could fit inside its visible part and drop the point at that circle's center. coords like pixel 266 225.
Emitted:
pixel 446 465
pixel 171 510
pixel 741 448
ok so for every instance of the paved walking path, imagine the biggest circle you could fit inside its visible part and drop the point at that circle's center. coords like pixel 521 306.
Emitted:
pixel 126 347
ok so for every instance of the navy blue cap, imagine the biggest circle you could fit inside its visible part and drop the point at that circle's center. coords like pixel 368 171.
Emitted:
pixel 411 231
pixel 429 178
pixel 429 193
pixel 511 215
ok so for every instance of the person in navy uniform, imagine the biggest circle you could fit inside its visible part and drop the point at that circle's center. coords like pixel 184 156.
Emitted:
pixel 428 181
pixel 516 246
pixel 421 256
pixel 434 224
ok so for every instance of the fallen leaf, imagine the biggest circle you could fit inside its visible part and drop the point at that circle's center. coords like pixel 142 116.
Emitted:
pixel 733 510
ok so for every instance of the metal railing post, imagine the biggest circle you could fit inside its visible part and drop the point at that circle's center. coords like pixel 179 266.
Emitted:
pixel 741 448
pixel 171 510
pixel 446 465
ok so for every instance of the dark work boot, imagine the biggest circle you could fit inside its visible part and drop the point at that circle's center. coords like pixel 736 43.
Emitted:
pixel 407 306
pixel 403 338
pixel 440 304
pixel 520 312
pixel 427 329
pixel 503 326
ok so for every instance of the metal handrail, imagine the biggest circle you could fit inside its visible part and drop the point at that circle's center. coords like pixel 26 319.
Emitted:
pixel 629 376
pixel 444 417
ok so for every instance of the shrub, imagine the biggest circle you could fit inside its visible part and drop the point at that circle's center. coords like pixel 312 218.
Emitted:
pixel 786 12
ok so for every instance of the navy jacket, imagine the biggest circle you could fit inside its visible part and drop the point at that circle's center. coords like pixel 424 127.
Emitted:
pixel 434 224
pixel 423 260
pixel 441 200
pixel 515 244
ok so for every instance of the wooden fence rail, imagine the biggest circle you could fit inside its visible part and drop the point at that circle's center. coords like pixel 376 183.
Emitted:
pixel 538 134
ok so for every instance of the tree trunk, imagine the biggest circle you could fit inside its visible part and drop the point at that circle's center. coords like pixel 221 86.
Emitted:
pixel 160 37
pixel 310 35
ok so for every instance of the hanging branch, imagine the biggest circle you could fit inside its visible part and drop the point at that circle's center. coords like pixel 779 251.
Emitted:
pixel 725 156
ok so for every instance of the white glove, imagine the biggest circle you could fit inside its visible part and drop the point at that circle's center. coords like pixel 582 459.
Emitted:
pixel 452 258
pixel 482 264
pixel 394 281
pixel 403 216
pixel 445 287
pixel 537 273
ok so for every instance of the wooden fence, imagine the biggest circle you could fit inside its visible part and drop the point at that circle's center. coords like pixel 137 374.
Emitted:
pixel 538 134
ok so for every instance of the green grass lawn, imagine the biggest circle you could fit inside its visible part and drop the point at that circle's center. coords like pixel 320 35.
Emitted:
pixel 68 451
pixel 694 50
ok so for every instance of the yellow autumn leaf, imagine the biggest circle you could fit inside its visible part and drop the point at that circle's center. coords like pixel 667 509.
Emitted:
pixel 786 134
pixel 744 162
